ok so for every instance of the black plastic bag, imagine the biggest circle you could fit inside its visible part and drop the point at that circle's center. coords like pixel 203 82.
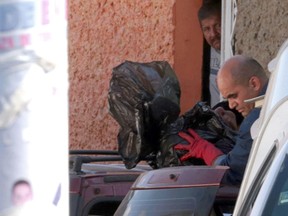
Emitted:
pixel 142 98
pixel 206 123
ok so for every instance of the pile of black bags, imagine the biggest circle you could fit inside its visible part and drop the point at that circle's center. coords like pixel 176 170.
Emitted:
pixel 144 98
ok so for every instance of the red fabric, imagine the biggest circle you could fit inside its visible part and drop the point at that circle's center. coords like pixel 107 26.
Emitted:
pixel 197 148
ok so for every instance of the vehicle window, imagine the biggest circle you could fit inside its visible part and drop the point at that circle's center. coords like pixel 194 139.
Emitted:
pixel 277 203
pixel 160 202
pixel 255 187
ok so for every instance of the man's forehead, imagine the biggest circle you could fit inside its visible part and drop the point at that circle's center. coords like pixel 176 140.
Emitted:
pixel 224 79
pixel 227 88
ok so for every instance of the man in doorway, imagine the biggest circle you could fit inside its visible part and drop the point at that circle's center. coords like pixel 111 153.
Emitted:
pixel 209 16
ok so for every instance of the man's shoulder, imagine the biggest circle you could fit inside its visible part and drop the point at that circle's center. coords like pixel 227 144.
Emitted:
pixel 254 114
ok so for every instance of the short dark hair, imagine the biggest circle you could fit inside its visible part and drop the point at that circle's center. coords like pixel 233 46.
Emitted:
pixel 19 182
pixel 209 8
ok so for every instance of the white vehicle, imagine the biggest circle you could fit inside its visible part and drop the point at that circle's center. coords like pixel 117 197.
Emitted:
pixel 264 189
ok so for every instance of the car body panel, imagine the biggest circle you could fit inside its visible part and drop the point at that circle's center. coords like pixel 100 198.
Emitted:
pixel 184 176
pixel 269 196
pixel 96 186
pixel 185 190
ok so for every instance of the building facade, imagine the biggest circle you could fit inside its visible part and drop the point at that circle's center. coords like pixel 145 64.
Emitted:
pixel 105 33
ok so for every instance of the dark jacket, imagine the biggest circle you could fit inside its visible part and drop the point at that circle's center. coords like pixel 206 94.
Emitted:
pixel 237 158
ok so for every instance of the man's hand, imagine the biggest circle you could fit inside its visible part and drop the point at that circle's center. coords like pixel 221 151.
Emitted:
pixel 197 148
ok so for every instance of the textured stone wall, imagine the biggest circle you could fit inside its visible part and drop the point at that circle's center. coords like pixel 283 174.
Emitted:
pixel 261 28
pixel 103 34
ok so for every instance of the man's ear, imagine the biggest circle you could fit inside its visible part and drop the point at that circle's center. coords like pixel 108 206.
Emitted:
pixel 255 83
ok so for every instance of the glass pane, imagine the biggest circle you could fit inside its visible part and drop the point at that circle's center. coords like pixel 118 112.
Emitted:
pixel 166 202
pixel 277 203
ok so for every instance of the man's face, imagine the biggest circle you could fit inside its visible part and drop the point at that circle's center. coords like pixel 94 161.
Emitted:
pixel 211 28
pixel 21 194
pixel 236 94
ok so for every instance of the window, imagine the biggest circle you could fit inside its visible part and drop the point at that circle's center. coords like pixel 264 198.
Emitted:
pixel 255 187
pixel 277 203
